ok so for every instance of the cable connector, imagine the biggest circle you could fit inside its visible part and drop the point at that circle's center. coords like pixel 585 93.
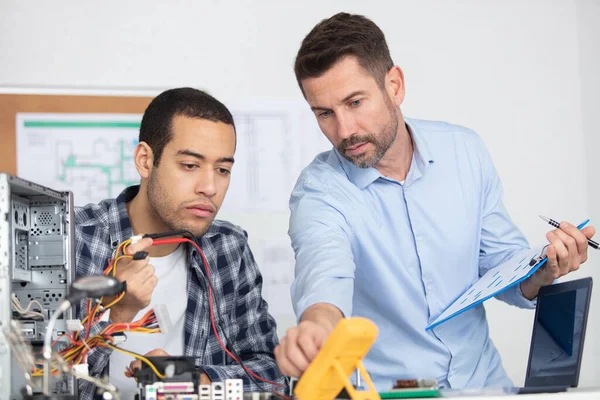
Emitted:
pixel 74 325
pixel 105 317
pixel 81 369
pixel 163 318
pixel 181 232
pixel 136 238
pixel 140 255
pixel 119 338
pixel 234 389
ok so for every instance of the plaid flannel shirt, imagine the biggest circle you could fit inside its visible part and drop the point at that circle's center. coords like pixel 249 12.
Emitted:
pixel 236 282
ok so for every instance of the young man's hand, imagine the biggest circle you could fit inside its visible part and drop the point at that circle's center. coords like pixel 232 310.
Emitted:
pixel 141 282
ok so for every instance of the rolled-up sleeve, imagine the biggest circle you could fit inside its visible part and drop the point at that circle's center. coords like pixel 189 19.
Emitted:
pixel 321 239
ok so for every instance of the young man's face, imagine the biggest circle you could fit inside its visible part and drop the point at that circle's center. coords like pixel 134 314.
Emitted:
pixel 354 113
pixel 187 188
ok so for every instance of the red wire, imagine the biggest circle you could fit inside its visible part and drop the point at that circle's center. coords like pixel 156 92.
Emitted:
pixel 210 303
pixel 93 312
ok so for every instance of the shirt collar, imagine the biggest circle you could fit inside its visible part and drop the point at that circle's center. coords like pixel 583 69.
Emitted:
pixel 422 159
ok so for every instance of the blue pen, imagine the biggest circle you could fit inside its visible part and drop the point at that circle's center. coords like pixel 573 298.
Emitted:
pixel 593 244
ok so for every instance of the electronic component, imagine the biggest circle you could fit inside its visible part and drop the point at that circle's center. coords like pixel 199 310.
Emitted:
pixel 182 382
pixel 163 318
pixel 74 325
pixel 170 391
pixel 182 377
pixel 260 396
pixel 341 354
pixel 234 389
pixel 81 369
pixel 415 383
pixel 140 255
pixel 410 388
pixel 217 391
pixel 36 269
pixel 204 392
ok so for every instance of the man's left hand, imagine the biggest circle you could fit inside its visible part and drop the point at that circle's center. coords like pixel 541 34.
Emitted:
pixel 566 252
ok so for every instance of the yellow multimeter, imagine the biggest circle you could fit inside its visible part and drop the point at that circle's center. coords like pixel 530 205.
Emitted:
pixel 341 354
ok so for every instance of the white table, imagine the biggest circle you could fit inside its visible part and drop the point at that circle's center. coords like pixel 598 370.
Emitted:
pixel 574 394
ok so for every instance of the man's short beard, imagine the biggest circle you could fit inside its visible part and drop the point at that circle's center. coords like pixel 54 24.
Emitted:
pixel 160 211
pixel 382 144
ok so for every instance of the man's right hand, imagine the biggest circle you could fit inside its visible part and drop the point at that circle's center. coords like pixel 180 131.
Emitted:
pixel 299 347
pixel 141 282
pixel 302 343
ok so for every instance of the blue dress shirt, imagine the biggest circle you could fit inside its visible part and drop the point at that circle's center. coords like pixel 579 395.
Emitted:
pixel 399 253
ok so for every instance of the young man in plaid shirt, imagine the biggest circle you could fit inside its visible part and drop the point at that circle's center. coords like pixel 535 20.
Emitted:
pixel 184 157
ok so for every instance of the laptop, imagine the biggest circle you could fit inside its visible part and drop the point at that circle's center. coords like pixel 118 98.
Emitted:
pixel 557 338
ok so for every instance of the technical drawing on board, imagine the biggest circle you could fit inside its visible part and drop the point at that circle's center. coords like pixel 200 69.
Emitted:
pixel 91 154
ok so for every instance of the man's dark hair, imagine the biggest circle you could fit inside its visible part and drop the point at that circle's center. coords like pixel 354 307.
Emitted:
pixel 337 37
pixel 156 127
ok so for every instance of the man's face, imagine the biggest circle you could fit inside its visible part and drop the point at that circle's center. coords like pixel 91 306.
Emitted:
pixel 187 188
pixel 354 113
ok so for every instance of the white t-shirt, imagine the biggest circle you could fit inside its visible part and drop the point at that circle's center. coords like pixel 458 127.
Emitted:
pixel 171 290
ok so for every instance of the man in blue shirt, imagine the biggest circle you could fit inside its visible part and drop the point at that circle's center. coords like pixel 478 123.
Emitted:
pixel 397 220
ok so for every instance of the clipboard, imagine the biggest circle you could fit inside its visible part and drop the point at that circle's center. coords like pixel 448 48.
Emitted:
pixel 508 274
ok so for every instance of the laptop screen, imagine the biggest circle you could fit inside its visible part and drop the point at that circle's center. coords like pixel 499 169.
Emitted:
pixel 558 334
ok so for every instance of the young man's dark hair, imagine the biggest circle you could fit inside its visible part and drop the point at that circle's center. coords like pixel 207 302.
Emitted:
pixel 188 102
pixel 340 36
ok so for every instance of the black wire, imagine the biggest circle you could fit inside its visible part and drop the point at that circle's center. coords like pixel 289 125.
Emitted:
pixel 180 232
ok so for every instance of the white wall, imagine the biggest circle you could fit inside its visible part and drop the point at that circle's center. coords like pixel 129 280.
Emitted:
pixel 513 71
pixel 588 16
